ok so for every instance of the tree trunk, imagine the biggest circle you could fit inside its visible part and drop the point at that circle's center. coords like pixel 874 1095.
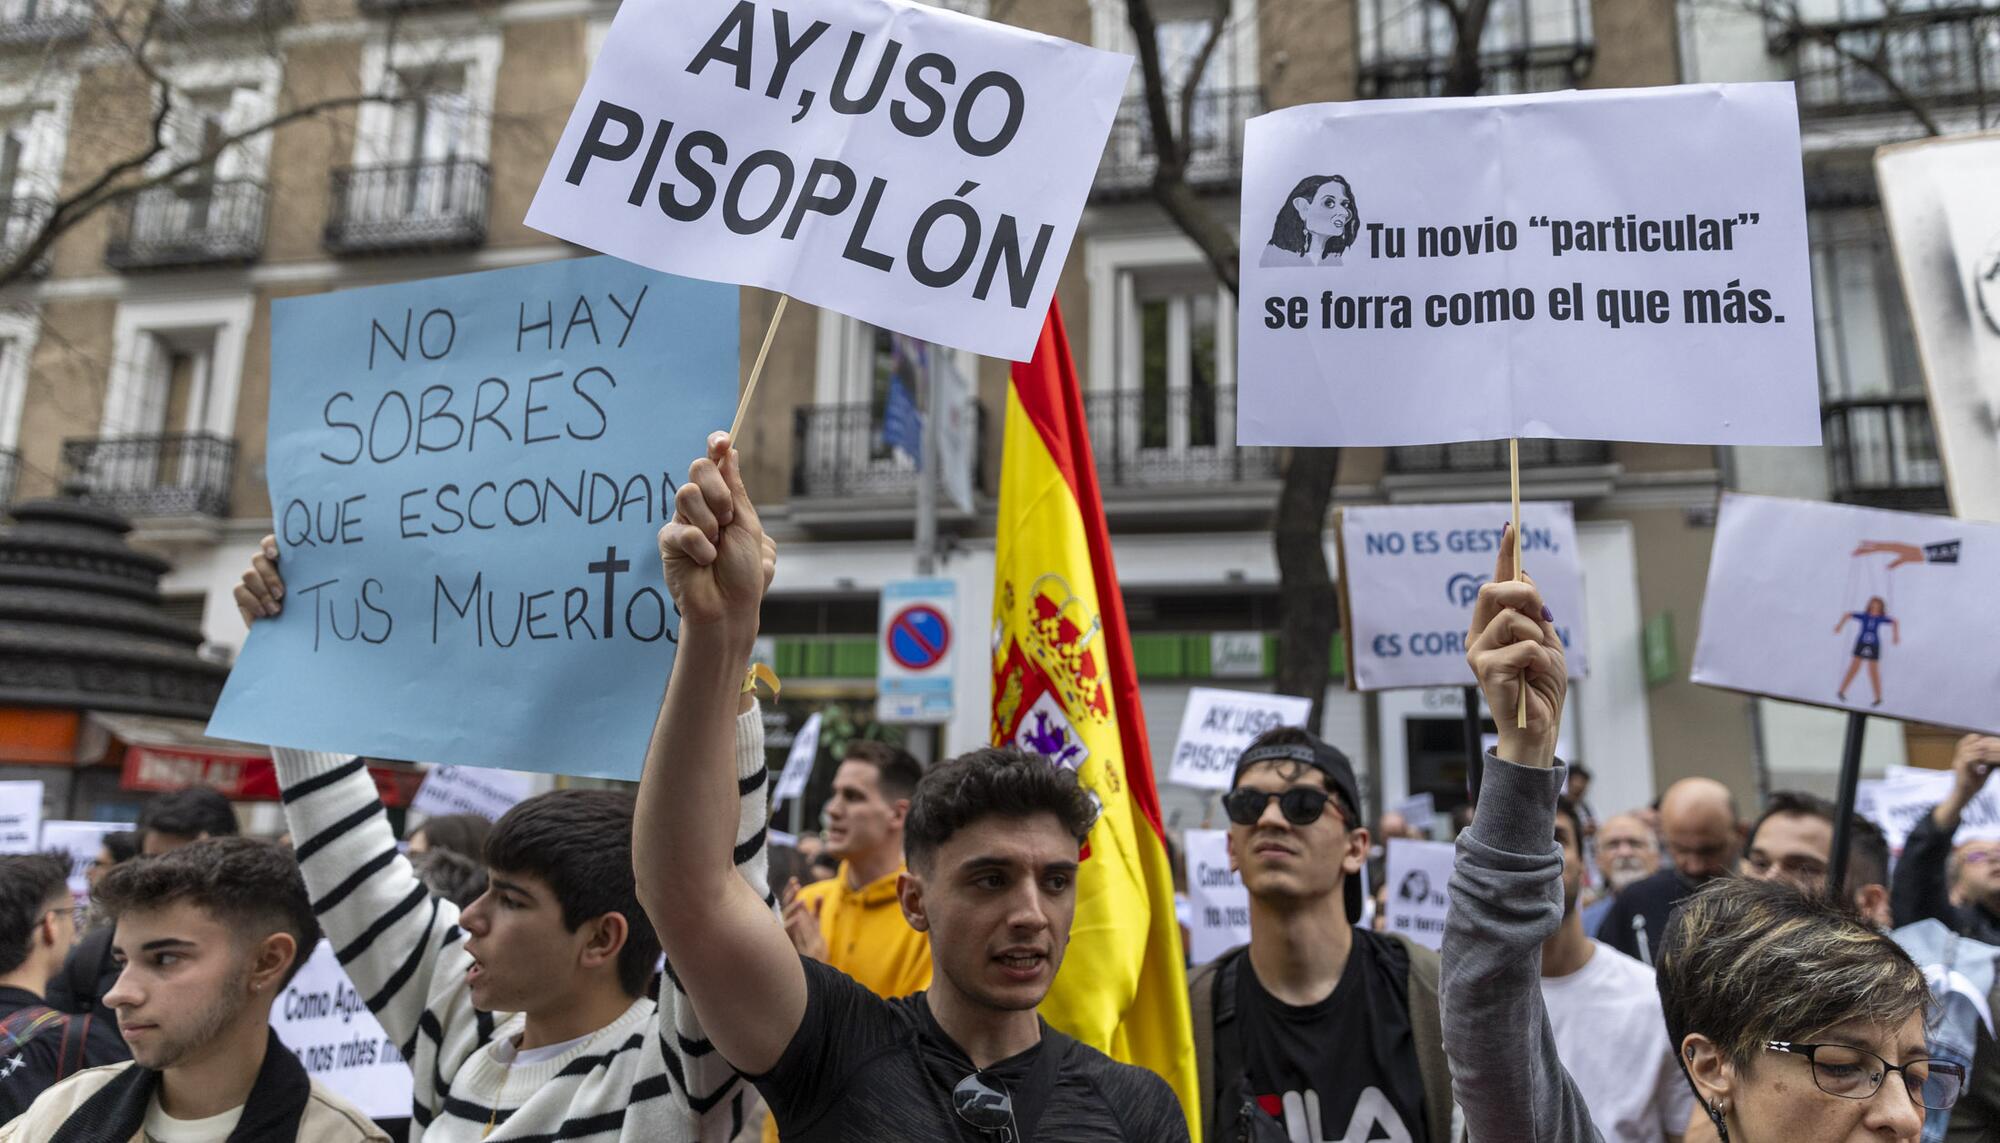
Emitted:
pixel 1307 615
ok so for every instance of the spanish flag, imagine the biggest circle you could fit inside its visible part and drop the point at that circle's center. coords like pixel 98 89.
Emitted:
pixel 1064 686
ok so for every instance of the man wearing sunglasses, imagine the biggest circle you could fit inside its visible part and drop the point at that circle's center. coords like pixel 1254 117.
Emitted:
pixel 1316 1029
pixel 993 841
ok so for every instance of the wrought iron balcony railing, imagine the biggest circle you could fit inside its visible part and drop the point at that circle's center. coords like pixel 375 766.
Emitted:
pixel 1215 142
pixel 21 219
pixel 1536 67
pixel 1146 437
pixel 391 7
pixel 190 224
pixel 178 474
pixel 837 450
pixel 1486 457
pixel 10 471
pixel 219 15
pixel 1946 56
pixel 408 206
pixel 1882 452
pixel 38 23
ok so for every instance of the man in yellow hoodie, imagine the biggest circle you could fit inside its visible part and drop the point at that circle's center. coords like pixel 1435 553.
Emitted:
pixel 853 921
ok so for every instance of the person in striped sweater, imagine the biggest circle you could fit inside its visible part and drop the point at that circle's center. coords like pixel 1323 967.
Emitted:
pixel 524 1016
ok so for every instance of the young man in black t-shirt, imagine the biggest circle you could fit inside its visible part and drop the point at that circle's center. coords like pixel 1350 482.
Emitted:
pixel 1317 1029
pixel 993 842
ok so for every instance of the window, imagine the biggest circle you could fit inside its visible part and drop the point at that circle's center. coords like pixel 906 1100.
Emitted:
pixel 33 131
pixel 1226 95
pixel 176 367
pixel 445 100
pixel 1526 45
pixel 18 333
pixel 1879 437
pixel 841 443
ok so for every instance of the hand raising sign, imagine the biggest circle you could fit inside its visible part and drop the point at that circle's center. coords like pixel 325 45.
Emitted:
pixel 1513 643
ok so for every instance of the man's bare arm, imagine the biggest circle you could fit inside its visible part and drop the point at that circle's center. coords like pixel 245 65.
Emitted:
pixel 725 945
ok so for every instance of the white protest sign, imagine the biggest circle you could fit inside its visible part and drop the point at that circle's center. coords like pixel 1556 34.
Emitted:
pixel 1218 902
pixel 80 841
pixel 1218 725
pixel 1418 874
pixel 799 763
pixel 1430 270
pixel 1944 222
pixel 1888 613
pixel 1419 810
pixel 1897 803
pixel 914 167
pixel 471 790
pixel 1412 574
pixel 324 1021
pixel 20 816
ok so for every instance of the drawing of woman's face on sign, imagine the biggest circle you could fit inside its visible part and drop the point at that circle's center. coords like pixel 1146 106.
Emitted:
pixel 1316 223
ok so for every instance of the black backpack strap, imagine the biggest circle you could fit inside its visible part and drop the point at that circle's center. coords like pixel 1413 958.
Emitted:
pixel 1041 1082
pixel 1229 1075
pixel 75 1043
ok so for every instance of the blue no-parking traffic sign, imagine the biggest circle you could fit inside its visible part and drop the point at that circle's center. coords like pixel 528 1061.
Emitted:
pixel 913 672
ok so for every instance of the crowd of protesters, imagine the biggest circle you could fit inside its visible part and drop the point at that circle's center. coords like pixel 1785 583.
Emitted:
pixel 598 965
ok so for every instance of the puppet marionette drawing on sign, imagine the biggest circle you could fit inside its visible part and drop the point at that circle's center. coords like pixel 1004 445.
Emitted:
pixel 1316 222
pixel 1875 614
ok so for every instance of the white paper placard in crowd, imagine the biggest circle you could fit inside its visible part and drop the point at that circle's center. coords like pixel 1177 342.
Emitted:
pixel 20 816
pixel 471 790
pixel 1889 613
pixel 1419 810
pixel 1944 223
pixel 1411 575
pixel 325 1022
pixel 1899 801
pixel 1418 874
pixel 1218 725
pixel 80 841
pixel 799 762
pixel 1218 903
pixel 1430 270
pixel 914 167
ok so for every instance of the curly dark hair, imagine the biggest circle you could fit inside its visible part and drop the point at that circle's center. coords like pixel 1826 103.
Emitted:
pixel 580 842
pixel 189 813
pixel 997 781
pixel 30 884
pixel 250 885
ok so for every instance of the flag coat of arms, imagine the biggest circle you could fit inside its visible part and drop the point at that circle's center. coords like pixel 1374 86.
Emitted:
pixel 1064 686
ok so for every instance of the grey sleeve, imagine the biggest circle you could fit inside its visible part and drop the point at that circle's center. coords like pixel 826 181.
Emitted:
pixel 1506 899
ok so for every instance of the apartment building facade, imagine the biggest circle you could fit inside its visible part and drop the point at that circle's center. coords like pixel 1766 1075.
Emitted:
pixel 135 363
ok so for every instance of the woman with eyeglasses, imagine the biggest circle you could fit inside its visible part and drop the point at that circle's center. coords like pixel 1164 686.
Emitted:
pixel 1795 1021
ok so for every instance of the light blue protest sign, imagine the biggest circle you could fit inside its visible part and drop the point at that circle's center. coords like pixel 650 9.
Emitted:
pixel 467 478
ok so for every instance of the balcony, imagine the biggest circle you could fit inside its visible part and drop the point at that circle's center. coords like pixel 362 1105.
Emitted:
pixel 1946 56
pixel 1537 67
pixel 403 7
pixel 1215 148
pixel 837 453
pixel 408 206
pixel 1882 453
pixel 223 15
pixel 189 224
pixel 1172 438
pixel 21 219
pixel 177 474
pixel 39 23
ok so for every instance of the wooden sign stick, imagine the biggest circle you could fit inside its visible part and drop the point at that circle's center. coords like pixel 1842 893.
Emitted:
pixel 1514 477
pixel 757 369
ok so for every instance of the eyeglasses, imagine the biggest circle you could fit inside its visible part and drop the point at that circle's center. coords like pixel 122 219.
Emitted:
pixel 1301 805
pixel 986 1104
pixel 1856 1073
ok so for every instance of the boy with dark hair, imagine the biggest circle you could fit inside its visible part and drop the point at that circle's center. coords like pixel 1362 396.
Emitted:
pixel 170 821
pixel 209 934
pixel 1317 1028
pixel 526 1014
pixel 39 1045
pixel 993 840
